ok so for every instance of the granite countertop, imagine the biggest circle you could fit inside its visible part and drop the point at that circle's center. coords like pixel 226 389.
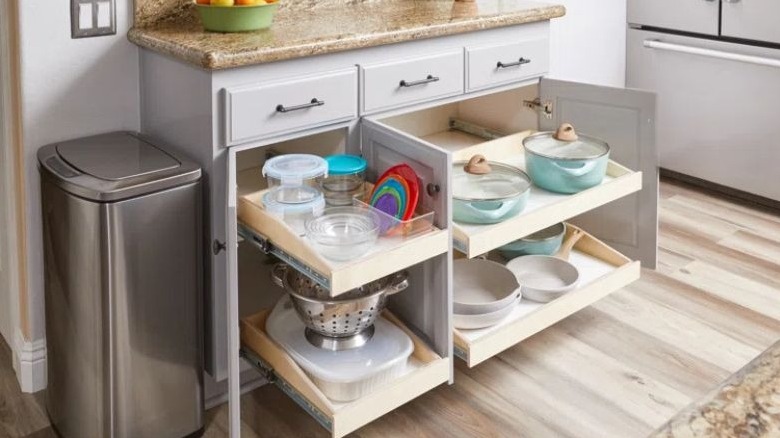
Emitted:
pixel 746 405
pixel 338 27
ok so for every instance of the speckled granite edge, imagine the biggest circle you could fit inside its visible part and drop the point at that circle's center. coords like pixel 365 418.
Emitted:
pixel 192 50
pixel 746 405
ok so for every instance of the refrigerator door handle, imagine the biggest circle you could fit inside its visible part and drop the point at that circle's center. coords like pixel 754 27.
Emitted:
pixel 711 53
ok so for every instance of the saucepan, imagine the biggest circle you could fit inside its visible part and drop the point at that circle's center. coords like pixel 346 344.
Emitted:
pixel 487 192
pixel 564 161
pixel 545 242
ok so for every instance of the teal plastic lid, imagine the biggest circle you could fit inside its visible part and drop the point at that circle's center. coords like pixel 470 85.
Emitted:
pixel 343 164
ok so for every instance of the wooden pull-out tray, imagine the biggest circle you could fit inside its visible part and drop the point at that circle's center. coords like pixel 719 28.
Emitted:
pixel 544 208
pixel 390 254
pixel 602 271
pixel 425 371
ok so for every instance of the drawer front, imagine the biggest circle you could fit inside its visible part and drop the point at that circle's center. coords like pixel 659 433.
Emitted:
pixel 392 84
pixel 493 65
pixel 263 110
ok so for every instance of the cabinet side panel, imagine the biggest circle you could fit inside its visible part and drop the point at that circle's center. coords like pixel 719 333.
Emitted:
pixel 176 108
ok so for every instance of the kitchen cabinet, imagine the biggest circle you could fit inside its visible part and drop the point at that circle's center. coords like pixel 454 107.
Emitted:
pixel 751 20
pixel 230 123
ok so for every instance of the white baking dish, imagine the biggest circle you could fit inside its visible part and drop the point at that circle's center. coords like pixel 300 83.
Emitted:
pixel 348 374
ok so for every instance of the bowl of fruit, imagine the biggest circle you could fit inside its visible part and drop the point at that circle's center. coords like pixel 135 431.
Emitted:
pixel 236 15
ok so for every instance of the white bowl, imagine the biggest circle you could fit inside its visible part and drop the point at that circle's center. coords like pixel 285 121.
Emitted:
pixel 482 320
pixel 482 286
pixel 544 278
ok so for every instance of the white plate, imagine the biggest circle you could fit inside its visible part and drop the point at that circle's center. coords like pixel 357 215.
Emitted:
pixel 482 286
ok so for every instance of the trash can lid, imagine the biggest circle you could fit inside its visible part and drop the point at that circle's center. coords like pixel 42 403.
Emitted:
pixel 114 166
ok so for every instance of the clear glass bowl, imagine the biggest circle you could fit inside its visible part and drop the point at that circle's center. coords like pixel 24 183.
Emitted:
pixel 343 233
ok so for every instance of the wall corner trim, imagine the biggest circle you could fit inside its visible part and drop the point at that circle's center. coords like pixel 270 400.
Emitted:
pixel 29 361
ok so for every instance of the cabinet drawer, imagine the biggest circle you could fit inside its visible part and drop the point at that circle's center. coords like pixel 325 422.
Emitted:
pixel 263 110
pixel 425 371
pixel 603 270
pixel 488 66
pixel 391 84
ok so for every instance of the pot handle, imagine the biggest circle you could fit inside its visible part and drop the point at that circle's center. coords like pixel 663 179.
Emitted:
pixel 492 214
pixel 278 273
pixel 577 171
pixel 399 282
pixel 568 244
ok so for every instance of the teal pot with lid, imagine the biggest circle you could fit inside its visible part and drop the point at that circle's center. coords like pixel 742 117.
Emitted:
pixel 487 192
pixel 544 242
pixel 564 161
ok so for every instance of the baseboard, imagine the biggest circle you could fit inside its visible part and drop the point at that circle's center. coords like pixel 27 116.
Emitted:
pixel 733 194
pixel 29 361
pixel 216 393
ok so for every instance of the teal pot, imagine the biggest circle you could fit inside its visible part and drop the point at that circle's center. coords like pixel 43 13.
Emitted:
pixel 488 198
pixel 565 166
pixel 544 242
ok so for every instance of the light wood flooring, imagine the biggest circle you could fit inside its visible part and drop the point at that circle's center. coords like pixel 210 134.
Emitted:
pixel 620 368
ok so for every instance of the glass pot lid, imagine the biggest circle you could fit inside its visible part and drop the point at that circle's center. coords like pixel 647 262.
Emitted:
pixel 565 144
pixel 500 182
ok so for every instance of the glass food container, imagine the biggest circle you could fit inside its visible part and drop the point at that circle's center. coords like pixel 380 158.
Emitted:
pixel 345 180
pixel 294 214
pixel 295 170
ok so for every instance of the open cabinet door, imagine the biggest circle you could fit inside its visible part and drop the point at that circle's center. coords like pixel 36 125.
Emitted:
pixel 426 304
pixel 626 120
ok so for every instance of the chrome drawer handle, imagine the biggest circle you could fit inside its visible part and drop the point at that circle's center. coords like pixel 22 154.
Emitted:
pixel 429 78
pixel 520 61
pixel 286 109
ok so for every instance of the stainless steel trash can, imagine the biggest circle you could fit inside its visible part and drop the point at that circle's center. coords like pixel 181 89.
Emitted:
pixel 122 249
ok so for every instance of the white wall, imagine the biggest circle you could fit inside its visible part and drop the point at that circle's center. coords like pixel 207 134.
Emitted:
pixel 70 88
pixel 588 44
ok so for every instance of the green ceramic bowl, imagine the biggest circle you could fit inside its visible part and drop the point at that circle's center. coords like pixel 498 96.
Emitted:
pixel 237 18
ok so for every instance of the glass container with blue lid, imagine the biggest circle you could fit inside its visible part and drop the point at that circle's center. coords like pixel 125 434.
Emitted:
pixel 345 180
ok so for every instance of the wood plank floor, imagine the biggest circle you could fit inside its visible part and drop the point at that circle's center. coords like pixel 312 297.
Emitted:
pixel 619 368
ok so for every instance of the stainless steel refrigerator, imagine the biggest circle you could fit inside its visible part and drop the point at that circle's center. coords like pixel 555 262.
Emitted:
pixel 122 250
pixel 715 67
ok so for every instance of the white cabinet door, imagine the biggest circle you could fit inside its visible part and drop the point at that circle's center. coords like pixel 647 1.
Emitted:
pixel 427 303
pixel 751 19
pixel 626 120
pixel 698 16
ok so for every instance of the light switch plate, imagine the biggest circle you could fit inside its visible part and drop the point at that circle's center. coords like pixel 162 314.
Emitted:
pixel 99 14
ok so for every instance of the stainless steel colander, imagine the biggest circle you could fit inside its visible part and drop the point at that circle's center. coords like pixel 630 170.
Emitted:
pixel 346 321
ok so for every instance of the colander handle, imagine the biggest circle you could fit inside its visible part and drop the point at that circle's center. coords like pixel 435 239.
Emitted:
pixel 399 282
pixel 278 273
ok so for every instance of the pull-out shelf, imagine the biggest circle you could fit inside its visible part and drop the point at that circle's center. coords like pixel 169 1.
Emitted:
pixel 603 270
pixel 544 208
pixel 389 255
pixel 425 371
